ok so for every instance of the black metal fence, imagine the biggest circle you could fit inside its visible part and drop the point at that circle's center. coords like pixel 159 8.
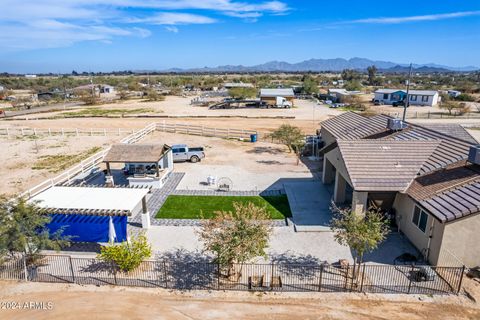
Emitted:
pixel 173 274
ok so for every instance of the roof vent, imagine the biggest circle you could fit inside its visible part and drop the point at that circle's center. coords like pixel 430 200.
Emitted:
pixel 396 124
pixel 474 154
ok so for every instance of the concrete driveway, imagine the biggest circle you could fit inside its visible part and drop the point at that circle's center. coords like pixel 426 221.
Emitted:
pixel 310 205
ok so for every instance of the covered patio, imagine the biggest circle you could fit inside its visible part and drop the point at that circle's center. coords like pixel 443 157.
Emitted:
pixel 142 164
pixel 84 212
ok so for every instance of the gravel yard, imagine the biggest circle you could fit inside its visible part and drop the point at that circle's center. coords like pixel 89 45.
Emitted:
pixel 250 166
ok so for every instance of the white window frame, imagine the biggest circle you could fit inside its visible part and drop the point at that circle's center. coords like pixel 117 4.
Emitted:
pixel 417 220
pixel 413 97
pixel 425 98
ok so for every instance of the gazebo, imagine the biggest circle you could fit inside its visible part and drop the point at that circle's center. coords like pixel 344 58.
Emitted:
pixel 144 164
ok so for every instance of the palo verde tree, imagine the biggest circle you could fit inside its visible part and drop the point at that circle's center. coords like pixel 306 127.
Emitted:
pixel 238 236
pixel 310 85
pixel 290 136
pixel 361 232
pixel 23 229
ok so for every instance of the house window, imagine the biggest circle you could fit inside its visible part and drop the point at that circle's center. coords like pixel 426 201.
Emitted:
pixel 385 96
pixel 424 98
pixel 413 98
pixel 420 218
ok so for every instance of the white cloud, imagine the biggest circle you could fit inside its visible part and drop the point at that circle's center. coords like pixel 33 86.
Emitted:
pixel 59 23
pixel 172 29
pixel 429 17
pixel 174 18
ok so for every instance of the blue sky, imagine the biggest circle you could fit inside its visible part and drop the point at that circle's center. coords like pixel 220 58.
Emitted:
pixel 104 35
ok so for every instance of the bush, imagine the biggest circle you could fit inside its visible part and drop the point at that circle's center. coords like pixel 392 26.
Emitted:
pixel 465 97
pixel 127 256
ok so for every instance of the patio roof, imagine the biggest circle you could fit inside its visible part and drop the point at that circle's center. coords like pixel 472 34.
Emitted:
pixel 142 153
pixel 90 201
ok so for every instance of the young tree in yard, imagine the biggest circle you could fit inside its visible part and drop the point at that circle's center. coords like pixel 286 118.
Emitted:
pixel 127 256
pixel 238 236
pixel 23 229
pixel 372 71
pixel 447 103
pixel 290 136
pixel 310 85
pixel 362 233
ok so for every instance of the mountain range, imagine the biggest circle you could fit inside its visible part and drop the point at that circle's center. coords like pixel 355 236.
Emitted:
pixel 337 64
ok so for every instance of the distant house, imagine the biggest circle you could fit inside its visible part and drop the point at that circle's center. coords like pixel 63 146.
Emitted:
pixel 425 178
pixel 341 94
pixel 2 88
pixel 105 88
pixel 269 96
pixel 416 97
pixel 231 85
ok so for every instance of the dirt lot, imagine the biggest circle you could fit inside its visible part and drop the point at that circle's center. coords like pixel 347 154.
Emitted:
pixel 19 155
pixel 90 302
pixel 250 166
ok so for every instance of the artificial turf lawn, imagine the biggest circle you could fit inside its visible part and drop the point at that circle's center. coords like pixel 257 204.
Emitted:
pixel 189 207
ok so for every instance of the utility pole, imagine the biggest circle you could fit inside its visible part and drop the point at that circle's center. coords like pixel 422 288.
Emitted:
pixel 407 103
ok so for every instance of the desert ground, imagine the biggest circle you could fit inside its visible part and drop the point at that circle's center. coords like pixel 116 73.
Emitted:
pixel 21 154
pixel 64 301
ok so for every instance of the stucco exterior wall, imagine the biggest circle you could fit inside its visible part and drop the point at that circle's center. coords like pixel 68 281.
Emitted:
pixel 327 137
pixel 336 160
pixel 462 238
pixel 404 207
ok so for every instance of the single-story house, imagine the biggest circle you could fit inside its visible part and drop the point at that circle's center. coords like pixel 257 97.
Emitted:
pixel 85 213
pixel 426 178
pixel 415 97
pixel 269 96
pixel 143 164
pixel 105 88
pixel 231 85
pixel 342 94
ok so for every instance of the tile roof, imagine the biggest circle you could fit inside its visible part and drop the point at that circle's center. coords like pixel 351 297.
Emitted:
pixel 450 150
pixel 449 194
pixel 351 125
pixel 386 165
pixel 451 129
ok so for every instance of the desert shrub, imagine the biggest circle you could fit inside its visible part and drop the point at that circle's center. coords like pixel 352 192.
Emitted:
pixel 127 256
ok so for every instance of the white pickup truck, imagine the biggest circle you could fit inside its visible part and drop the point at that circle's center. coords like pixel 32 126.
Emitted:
pixel 181 152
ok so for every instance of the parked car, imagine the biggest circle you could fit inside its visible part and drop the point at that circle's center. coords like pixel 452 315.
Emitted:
pixel 181 152
pixel 399 103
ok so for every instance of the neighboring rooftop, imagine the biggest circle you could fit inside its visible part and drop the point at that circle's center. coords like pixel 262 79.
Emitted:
pixel 415 92
pixel 146 153
pixel 284 92
pixel 351 125
pixel 237 85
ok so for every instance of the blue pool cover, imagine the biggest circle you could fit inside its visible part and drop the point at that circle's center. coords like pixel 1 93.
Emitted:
pixel 88 228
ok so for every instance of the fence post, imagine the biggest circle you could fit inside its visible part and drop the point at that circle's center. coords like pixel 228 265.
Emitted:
pixel 218 275
pixel 8 134
pixel 104 132
pixel 165 274
pixel 411 279
pixel 71 268
pixel 461 280
pixel 320 278
pixel 363 276
pixel 25 267
pixel 353 276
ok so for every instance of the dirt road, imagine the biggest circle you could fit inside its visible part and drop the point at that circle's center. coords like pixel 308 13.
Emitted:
pixel 90 302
